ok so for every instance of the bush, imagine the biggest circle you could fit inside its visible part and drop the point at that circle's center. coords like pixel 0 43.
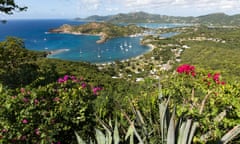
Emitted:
pixel 206 97
pixel 48 114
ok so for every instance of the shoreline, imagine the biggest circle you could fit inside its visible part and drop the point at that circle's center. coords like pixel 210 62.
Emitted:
pixel 102 36
pixel 150 46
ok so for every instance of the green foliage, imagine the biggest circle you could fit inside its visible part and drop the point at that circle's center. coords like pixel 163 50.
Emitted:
pixel 218 19
pixel 48 114
pixel 171 133
pixel 17 64
pixel 9 6
pixel 105 30
pixel 49 111
pixel 230 135
pixel 218 50
pixel 205 99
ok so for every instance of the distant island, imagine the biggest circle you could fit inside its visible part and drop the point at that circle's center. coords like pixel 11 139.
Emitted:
pixel 218 19
pixel 104 30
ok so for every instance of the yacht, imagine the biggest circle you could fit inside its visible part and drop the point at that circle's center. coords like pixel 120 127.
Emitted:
pixel 99 55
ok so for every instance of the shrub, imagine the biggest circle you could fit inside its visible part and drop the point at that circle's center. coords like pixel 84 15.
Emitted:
pixel 48 114
pixel 205 97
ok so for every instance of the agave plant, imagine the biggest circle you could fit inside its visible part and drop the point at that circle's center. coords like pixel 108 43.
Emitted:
pixel 111 137
pixel 173 129
pixel 172 132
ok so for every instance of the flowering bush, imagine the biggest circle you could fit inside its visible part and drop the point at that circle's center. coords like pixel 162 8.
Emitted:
pixel 48 114
pixel 204 96
pixel 186 69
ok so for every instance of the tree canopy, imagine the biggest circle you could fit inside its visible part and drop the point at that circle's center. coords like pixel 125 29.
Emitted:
pixel 9 6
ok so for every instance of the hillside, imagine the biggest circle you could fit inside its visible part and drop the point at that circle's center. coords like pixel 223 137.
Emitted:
pixel 105 30
pixel 48 100
pixel 143 17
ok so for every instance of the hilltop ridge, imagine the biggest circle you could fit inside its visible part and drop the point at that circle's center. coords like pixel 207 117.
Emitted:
pixel 104 30
pixel 144 17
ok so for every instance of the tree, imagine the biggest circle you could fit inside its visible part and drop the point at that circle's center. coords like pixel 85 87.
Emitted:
pixel 9 6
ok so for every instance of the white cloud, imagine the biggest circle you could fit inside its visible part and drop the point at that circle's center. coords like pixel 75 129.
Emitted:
pixel 197 6
pixel 90 4
pixel 172 7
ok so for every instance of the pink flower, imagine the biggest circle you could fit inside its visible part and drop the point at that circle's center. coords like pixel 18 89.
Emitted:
pixel 56 99
pixel 193 74
pixel 22 90
pixel 65 78
pixel 37 132
pixel 84 85
pixel 96 90
pixel 26 100
pixel 73 77
pixel 209 75
pixel 216 76
pixel 60 80
pixel 36 101
pixel 4 130
pixel 24 121
pixel 187 69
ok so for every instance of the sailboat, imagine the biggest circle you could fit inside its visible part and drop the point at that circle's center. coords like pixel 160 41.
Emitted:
pixel 99 55
pixel 80 52
pixel 130 45
pixel 125 44
pixel 121 46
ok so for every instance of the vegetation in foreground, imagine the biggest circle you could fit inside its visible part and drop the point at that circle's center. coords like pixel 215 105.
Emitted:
pixel 46 100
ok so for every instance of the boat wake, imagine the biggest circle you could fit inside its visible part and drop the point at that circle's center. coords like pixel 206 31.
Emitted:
pixel 58 51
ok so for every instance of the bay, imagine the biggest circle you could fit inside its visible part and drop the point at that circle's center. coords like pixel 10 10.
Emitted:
pixel 72 47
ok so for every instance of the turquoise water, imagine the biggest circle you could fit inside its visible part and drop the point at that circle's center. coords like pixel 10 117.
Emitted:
pixel 72 47
pixel 85 48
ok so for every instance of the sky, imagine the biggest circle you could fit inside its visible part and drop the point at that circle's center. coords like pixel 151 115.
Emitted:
pixel 52 9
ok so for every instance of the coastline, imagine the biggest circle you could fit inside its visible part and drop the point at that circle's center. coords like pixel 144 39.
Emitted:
pixel 150 46
pixel 103 37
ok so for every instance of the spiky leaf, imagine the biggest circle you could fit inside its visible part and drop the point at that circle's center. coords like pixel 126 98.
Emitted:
pixel 116 133
pixel 79 139
pixel 230 135
pixel 171 130
pixel 101 139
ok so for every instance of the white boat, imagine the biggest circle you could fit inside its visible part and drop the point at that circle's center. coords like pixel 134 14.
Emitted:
pixel 130 45
pixel 80 53
pixel 99 55
pixel 121 46
pixel 125 44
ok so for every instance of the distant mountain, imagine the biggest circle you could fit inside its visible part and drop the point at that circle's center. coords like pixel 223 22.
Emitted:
pixel 219 19
pixel 96 18
pixel 143 17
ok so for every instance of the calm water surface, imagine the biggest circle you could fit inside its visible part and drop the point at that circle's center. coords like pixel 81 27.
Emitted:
pixel 73 47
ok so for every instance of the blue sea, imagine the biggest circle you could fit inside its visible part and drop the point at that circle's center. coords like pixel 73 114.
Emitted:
pixel 73 47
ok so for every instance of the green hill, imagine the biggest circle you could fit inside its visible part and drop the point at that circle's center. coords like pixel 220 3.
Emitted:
pixel 105 30
pixel 143 17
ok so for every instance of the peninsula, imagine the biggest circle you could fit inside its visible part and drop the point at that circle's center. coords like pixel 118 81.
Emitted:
pixel 104 30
